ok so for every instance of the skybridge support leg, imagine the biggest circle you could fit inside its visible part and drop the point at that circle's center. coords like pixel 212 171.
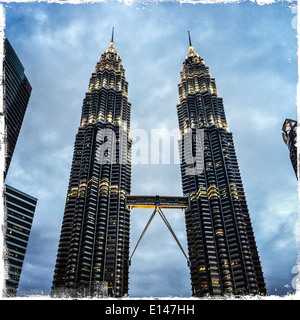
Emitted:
pixel 158 209
pixel 173 233
pixel 146 227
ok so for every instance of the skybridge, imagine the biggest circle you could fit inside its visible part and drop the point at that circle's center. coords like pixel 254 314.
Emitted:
pixel 162 202
pixel 158 203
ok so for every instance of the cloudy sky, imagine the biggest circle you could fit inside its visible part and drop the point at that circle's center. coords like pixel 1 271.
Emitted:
pixel 251 51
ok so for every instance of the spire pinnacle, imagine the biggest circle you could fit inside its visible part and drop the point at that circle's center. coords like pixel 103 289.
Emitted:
pixel 112 38
pixel 191 48
pixel 190 42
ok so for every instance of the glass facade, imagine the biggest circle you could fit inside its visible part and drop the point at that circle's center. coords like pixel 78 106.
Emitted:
pixel 221 245
pixel 94 244
pixel 20 208
pixel 17 91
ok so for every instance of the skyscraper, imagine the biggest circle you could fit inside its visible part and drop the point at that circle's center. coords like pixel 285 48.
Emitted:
pixel 19 206
pixel 20 211
pixel 289 136
pixel 221 245
pixel 94 242
pixel 17 91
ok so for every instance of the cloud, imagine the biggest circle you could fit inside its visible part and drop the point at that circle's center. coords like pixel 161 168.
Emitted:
pixel 39 262
pixel 247 48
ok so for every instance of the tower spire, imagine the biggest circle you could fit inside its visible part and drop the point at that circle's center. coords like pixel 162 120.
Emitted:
pixel 112 35
pixel 190 42
pixel 112 38
pixel 191 48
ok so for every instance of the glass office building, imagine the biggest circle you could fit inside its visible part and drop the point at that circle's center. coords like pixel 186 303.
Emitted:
pixel 17 91
pixel 20 208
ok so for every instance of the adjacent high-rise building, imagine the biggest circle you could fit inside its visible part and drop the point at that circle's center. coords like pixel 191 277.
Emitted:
pixel 289 135
pixel 20 208
pixel 17 91
pixel 221 245
pixel 94 243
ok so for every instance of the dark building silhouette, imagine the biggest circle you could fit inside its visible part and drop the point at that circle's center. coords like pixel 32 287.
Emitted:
pixel 19 206
pixel 289 135
pixel 94 243
pixel 17 91
pixel 221 245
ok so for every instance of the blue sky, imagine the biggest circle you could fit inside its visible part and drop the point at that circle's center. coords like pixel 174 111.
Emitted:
pixel 251 51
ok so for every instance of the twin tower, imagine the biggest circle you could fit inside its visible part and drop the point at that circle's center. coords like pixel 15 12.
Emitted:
pixel 94 242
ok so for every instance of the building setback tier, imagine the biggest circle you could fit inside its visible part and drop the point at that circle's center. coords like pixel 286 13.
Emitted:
pixel 221 246
pixel 93 249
